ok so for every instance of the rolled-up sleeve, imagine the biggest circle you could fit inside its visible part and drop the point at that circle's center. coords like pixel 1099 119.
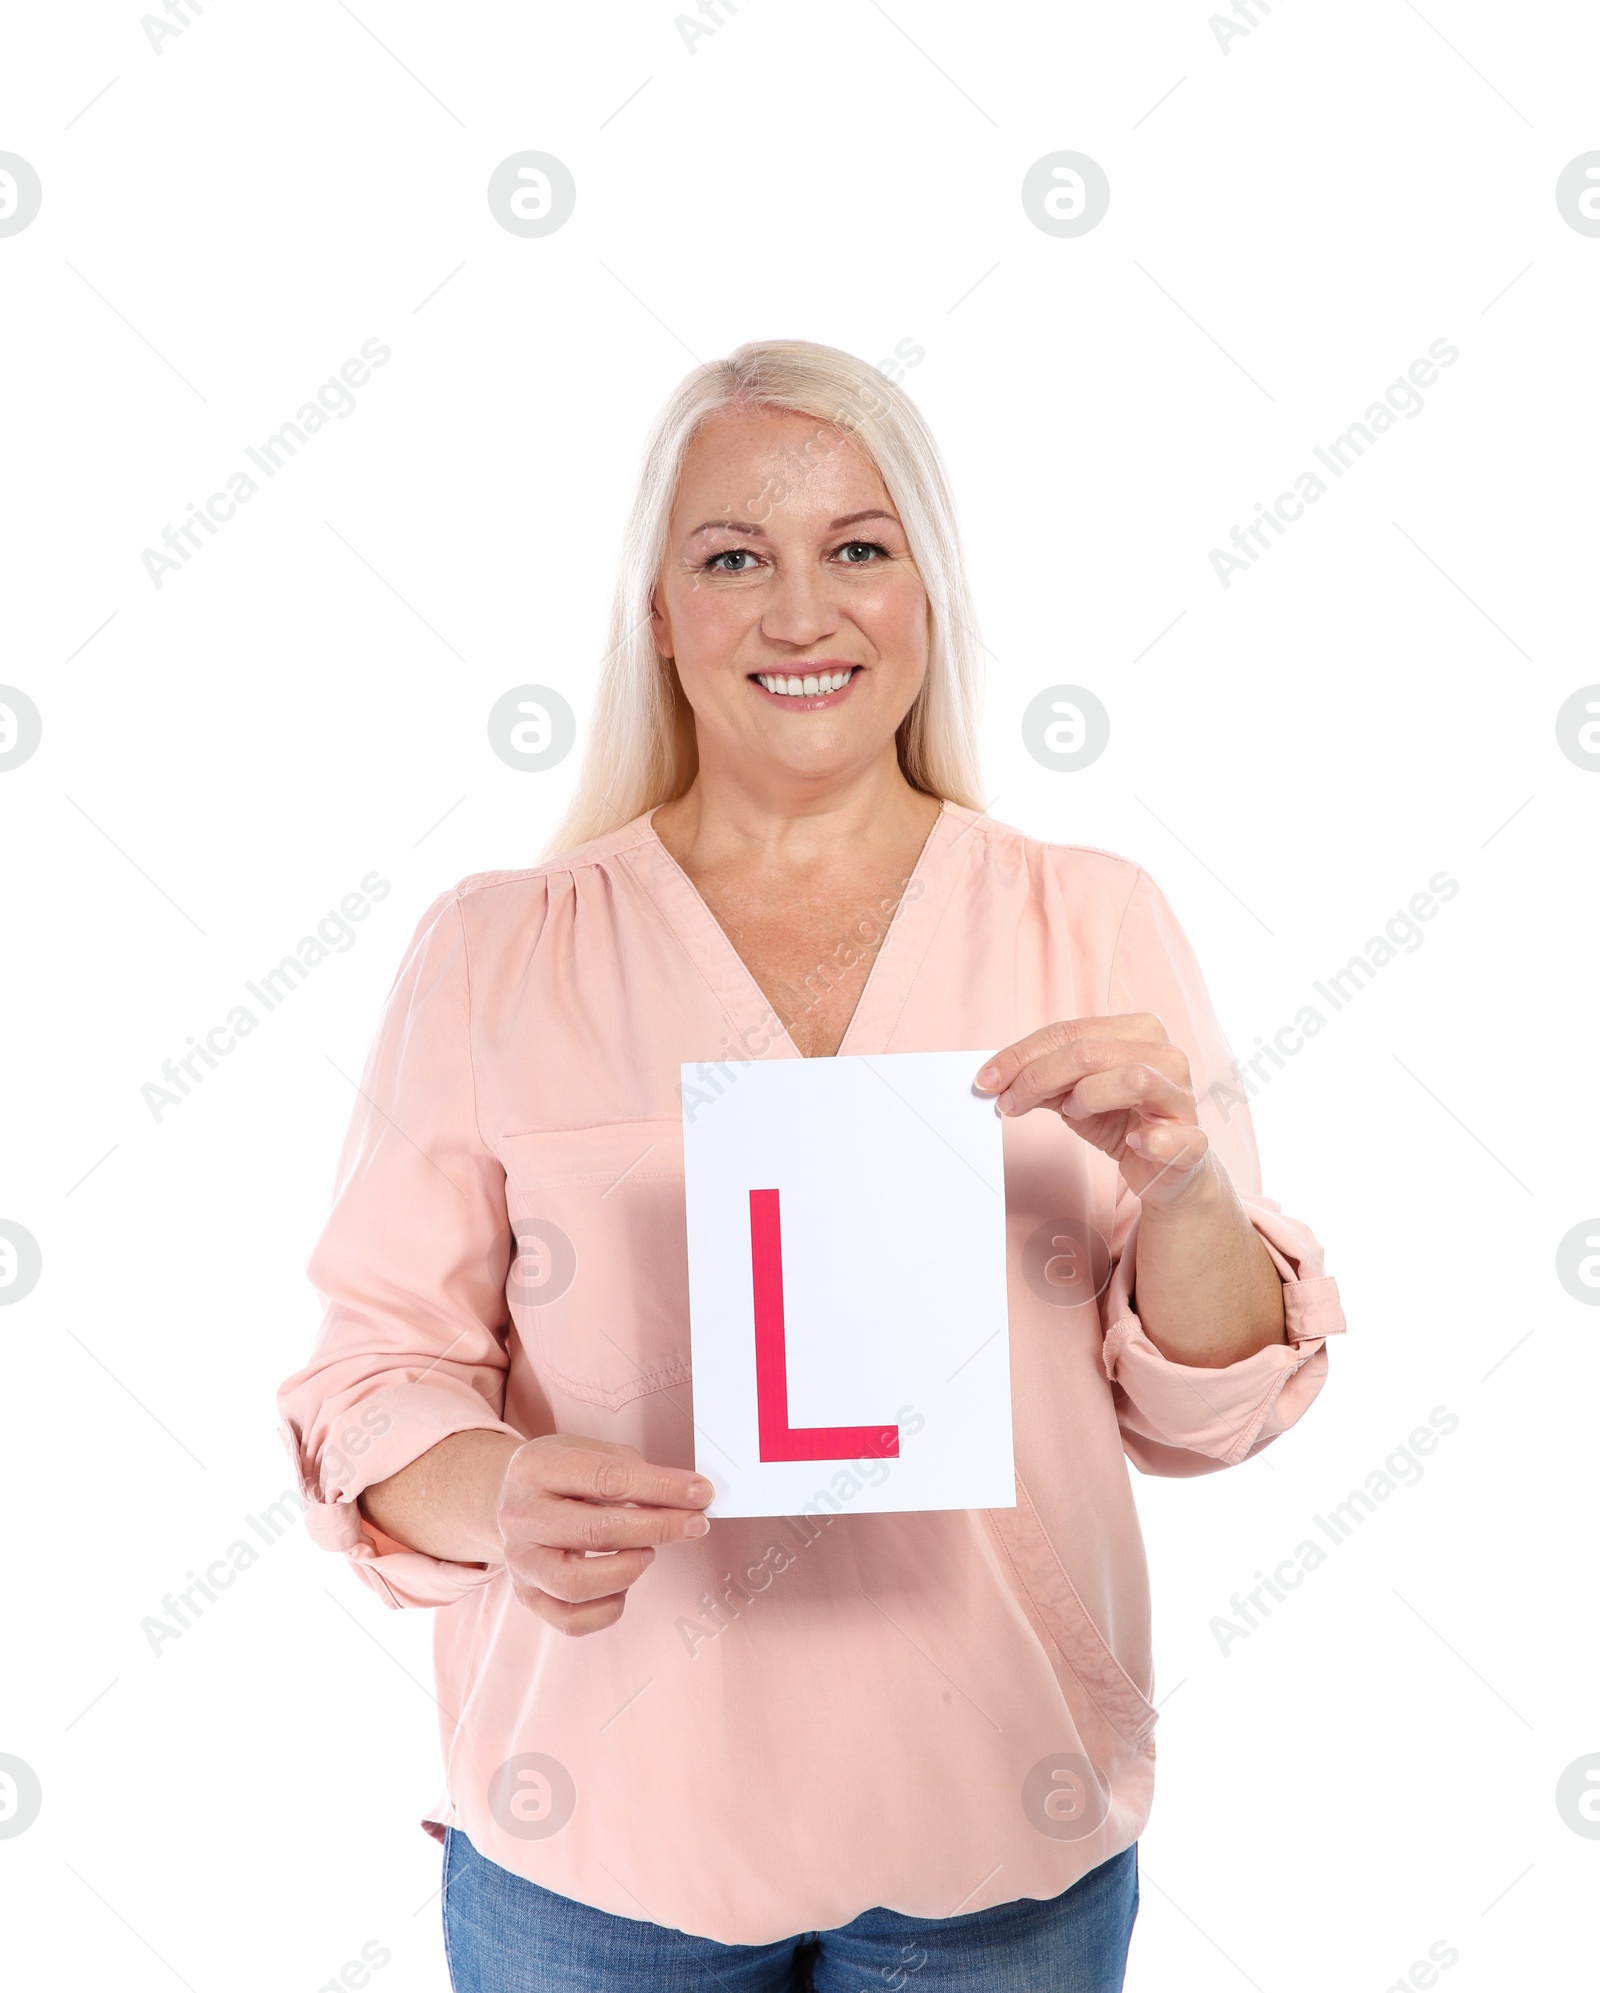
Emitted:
pixel 411 1265
pixel 1178 1418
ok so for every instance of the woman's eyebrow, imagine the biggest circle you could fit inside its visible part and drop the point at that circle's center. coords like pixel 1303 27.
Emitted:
pixel 758 533
pixel 872 512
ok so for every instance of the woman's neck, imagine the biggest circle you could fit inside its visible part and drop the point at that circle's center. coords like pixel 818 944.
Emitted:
pixel 724 823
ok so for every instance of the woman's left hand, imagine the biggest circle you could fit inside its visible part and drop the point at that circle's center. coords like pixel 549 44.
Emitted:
pixel 1123 1085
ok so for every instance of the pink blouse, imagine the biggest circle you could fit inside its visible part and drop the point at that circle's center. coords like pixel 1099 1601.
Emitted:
pixel 795 1719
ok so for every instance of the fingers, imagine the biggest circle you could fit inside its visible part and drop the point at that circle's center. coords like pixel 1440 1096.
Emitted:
pixel 571 1576
pixel 588 1526
pixel 574 1620
pixel 599 1470
pixel 1174 1147
pixel 1141 1086
pixel 1138 1027
pixel 1050 1061
pixel 1140 1072
pixel 580 1519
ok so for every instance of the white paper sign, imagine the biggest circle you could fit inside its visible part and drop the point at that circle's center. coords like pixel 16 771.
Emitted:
pixel 847 1285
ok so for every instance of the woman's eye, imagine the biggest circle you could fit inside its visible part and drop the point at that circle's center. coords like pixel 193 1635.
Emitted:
pixel 740 560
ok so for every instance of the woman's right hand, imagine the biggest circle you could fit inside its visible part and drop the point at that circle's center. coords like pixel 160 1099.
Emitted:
pixel 579 1520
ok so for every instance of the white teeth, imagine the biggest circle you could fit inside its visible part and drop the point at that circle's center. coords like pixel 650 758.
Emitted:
pixel 802 688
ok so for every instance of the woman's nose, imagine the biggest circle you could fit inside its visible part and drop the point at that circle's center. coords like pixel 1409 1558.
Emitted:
pixel 798 608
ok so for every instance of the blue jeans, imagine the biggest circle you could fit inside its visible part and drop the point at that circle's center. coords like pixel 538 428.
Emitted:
pixel 504 1934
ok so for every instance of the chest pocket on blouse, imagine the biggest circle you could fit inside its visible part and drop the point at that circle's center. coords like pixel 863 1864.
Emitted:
pixel 599 1282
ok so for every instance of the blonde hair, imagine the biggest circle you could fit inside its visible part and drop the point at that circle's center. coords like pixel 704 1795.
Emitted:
pixel 641 747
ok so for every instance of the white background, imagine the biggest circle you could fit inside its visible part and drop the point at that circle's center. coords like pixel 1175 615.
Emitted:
pixel 1292 222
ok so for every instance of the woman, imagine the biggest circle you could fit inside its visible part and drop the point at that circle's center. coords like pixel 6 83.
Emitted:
pixel 757 1753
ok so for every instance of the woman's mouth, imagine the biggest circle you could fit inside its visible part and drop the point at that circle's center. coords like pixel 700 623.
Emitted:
pixel 808 690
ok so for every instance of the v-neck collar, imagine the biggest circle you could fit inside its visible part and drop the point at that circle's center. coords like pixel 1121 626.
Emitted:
pixel 889 980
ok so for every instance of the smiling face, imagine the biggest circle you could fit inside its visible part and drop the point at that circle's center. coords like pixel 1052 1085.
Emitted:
pixel 789 600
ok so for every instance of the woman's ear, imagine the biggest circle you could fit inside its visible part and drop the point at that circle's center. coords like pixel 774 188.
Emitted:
pixel 660 633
